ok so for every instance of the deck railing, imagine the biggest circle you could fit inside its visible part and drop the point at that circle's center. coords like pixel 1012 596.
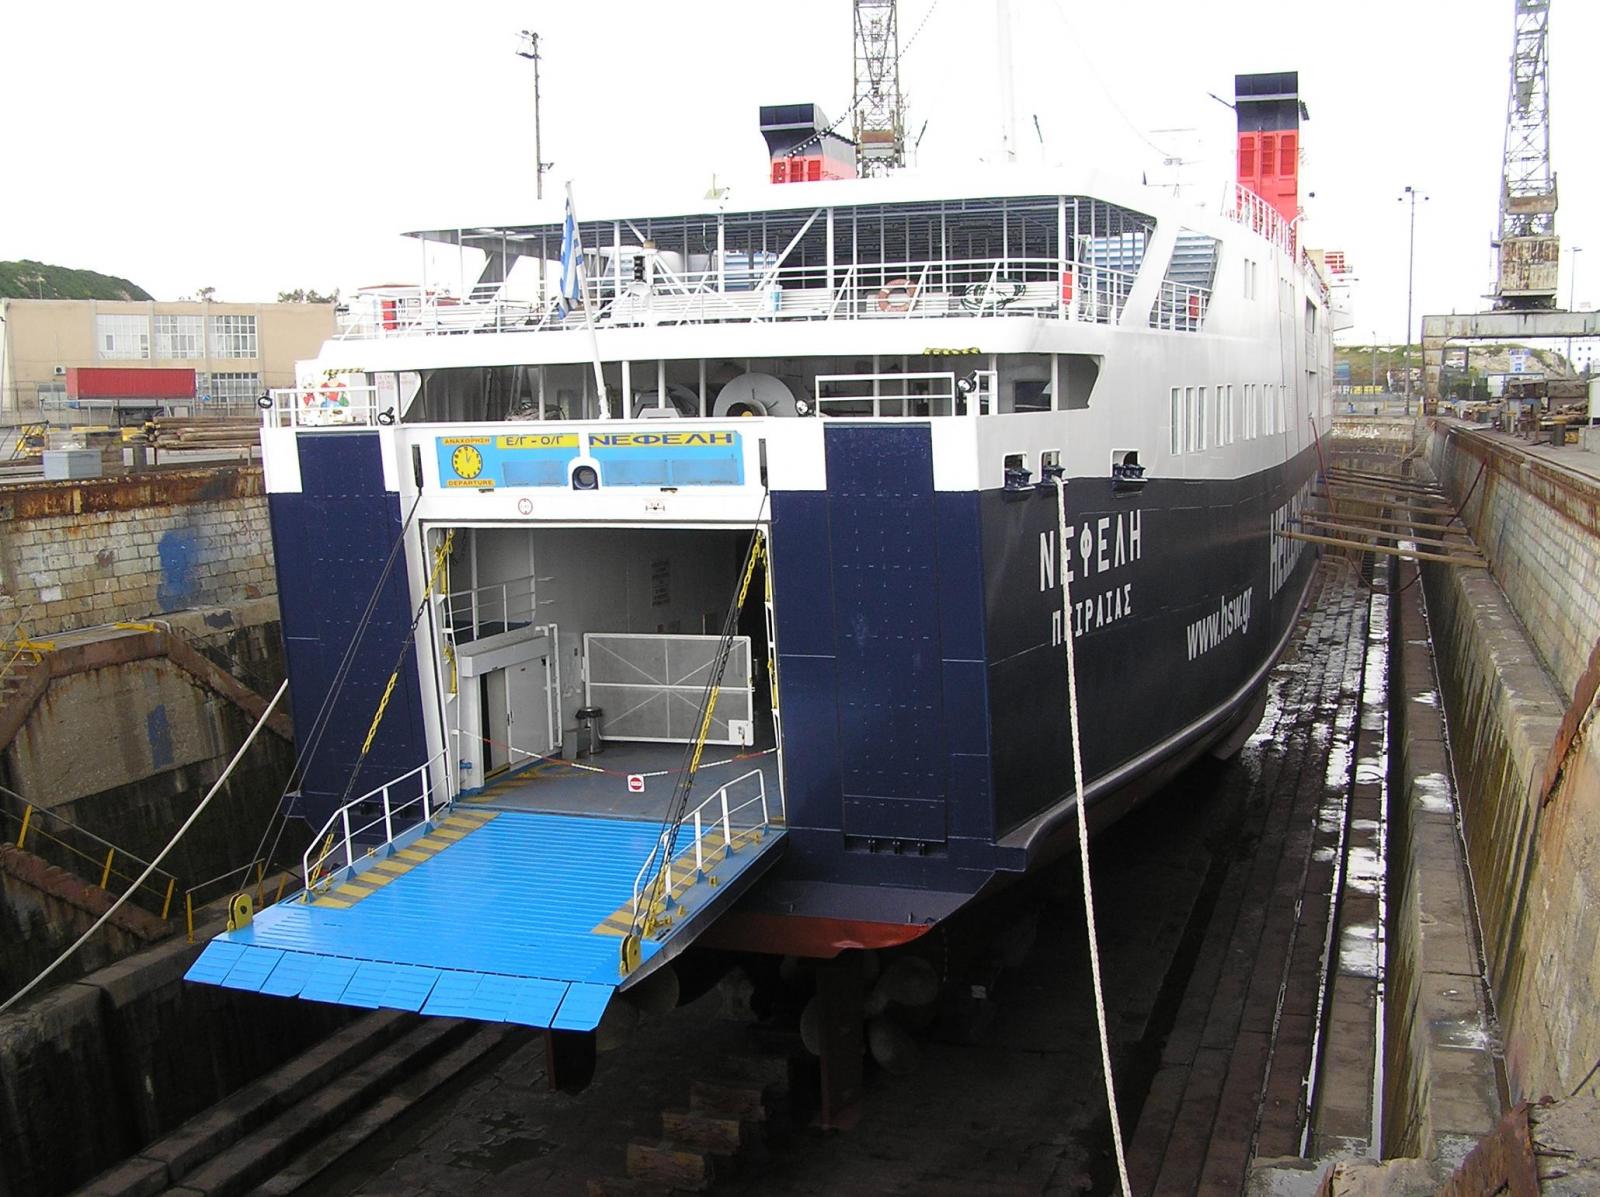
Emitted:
pixel 1180 307
pixel 330 403
pixel 698 822
pixel 509 604
pixel 338 837
pixel 927 288
pixel 912 394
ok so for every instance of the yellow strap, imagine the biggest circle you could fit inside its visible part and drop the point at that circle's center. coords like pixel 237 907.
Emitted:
pixel 655 906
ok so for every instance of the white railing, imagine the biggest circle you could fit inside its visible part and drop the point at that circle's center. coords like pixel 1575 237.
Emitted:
pixel 990 288
pixel 1180 307
pixel 1254 213
pixel 329 403
pixel 338 836
pixel 722 817
pixel 912 394
pixel 510 604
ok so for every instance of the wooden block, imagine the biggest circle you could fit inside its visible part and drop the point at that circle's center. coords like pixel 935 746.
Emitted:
pixel 665 1164
pixel 739 1100
pixel 706 1132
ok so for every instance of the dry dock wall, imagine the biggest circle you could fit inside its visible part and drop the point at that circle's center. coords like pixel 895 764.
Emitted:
pixel 1520 698
pixel 92 1071
pixel 74 554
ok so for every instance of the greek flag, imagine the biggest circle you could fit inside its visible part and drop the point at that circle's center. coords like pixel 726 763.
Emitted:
pixel 571 289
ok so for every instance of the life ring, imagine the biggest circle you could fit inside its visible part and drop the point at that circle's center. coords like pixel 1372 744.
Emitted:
pixel 333 394
pixel 897 295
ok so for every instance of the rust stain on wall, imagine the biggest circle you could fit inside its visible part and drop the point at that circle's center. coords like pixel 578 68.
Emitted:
pixel 41 500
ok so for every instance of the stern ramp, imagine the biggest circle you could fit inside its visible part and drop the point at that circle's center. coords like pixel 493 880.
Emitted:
pixel 499 915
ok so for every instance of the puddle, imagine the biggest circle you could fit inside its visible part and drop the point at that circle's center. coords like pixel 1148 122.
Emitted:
pixel 499 1147
pixel 1431 793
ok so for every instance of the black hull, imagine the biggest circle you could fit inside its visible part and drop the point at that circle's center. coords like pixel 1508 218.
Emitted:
pixel 923 682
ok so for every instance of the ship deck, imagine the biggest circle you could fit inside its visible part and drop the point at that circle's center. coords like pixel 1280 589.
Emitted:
pixel 597 786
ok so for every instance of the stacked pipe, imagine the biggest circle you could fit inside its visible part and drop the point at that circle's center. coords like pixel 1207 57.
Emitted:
pixel 203 432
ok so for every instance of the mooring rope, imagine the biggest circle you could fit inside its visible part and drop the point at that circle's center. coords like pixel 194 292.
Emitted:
pixel 160 856
pixel 1064 564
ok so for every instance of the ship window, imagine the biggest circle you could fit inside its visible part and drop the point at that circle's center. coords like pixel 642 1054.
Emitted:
pixel 1177 419
pixel 1078 373
pixel 1031 396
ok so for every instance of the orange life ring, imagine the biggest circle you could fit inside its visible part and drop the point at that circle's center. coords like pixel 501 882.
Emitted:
pixel 897 295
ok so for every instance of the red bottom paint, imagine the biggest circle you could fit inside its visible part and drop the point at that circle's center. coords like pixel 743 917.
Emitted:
pixel 794 935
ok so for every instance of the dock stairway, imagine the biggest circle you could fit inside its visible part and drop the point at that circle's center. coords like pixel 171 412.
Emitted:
pixel 492 913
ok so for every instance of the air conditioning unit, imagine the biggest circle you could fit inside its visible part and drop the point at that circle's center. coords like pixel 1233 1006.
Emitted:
pixel 60 371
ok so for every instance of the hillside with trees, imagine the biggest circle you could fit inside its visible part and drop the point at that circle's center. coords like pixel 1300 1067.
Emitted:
pixel 39 280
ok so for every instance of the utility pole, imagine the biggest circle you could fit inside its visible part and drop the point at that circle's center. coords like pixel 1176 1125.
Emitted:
pixel 1411 274
pixel 529 48
pixel 1572 296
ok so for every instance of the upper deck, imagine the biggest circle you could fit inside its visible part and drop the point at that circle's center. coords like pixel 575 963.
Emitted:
pixel 843 253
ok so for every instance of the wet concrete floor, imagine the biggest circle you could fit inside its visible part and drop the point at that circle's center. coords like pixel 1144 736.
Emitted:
pixel 1213 908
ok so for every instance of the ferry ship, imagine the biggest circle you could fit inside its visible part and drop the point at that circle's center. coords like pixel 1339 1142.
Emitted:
pixel 720 599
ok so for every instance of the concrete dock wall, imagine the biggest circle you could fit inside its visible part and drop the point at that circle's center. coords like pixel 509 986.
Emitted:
pixel 1539 524
pixel 74 554
pixel 92 1071
pixel 1520 700
pixel 1440 1090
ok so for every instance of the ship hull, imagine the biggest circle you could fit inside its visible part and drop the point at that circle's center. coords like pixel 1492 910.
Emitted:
pixel 925 701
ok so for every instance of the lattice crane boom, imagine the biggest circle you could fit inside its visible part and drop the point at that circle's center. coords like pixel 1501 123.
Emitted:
pixel 879 108
pixel 1529 250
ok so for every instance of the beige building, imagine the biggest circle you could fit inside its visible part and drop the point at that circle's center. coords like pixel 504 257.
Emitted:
pixel 235 349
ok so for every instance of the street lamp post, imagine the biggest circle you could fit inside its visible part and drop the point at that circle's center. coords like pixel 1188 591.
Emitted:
pixel 1411 272
pixel 1572 296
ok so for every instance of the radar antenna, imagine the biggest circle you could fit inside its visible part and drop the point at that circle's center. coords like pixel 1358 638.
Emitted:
pixel 1529 250
pixel 879 108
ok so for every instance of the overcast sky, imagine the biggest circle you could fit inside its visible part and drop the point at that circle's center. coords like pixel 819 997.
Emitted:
pixel 259 148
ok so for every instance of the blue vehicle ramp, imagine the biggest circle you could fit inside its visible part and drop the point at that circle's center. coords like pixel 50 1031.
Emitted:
pixel 488 910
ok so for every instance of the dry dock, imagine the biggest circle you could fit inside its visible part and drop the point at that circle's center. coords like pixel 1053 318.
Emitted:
pixel 1371 935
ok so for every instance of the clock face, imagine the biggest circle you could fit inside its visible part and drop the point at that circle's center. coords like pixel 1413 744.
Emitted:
pixel 466 461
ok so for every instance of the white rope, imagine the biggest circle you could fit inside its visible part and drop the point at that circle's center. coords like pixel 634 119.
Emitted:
pixel 1065 564
pixel 160 856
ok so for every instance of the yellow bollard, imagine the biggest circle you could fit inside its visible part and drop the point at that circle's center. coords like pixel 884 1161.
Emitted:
pixel 188 906
pixel 166 903
pixel 27 817
pixel 105 876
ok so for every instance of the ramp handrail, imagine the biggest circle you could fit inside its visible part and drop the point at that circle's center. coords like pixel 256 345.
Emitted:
pixel 337 834
pixel 724 820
